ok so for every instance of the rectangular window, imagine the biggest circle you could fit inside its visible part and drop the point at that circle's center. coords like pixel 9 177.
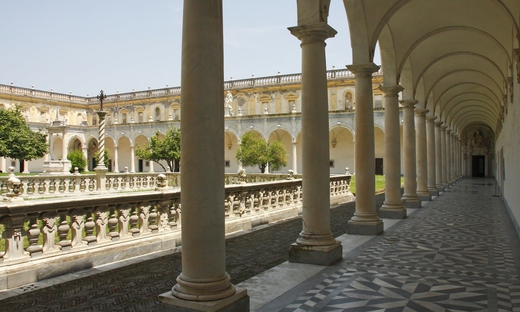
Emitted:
pixel 228 163
pixel 331 163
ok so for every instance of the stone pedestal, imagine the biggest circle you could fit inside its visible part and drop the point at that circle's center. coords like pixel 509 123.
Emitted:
pixel 60 167
pixel 237 302
pixel 320 255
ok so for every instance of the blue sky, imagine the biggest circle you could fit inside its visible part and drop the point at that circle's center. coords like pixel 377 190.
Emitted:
pixel 85 46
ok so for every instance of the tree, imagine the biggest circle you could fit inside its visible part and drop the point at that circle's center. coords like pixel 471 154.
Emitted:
pixel 106 159
pixel 17 140
pixel 167 148
pixel 77 159
pixel 255 151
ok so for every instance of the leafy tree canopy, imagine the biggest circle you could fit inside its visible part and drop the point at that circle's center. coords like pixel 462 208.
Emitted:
pixel 17 140
pixel 166 148
pixel 255 151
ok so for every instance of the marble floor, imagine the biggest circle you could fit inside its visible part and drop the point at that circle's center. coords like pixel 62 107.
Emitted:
pixel 459 252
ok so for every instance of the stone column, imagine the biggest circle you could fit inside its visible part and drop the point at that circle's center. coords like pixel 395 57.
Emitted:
pixel 315 244
pixel 116 159
pixel 84 149
pixel 410 198
pixel 150 164
pixel 449 160
pixel 2 164
pixel 203 284
pixel 25 166
pixel 393 207
pixel 365 220
pixel 101 169
pixel 422 156
pixel 430 139
pixel 444 158
pixel 438 156
pixel 295 157
pixel 132 159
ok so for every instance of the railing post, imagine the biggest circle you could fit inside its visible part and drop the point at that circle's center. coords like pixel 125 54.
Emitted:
pixel 63 231
pixel 78 223
pixel 89 228
pixel 49 229
pixel 112 223
pixel 102 218
pixel 144 216
pixel 13 235
pixel 33 234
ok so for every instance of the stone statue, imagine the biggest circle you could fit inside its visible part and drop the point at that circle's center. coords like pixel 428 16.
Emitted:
pixel 478 138
pixel 227 104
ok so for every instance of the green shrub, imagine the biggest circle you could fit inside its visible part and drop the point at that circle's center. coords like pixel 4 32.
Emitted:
pixel 77 159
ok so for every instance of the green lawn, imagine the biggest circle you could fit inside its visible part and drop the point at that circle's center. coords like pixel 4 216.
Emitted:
pixel 380 183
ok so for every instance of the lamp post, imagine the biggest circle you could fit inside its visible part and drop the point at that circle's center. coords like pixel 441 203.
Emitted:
pixel 101 169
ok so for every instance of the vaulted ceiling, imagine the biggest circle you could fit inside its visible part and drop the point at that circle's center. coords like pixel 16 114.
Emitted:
pixel 455 57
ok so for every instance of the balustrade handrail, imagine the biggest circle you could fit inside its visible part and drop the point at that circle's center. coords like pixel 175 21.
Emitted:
pixel 334 74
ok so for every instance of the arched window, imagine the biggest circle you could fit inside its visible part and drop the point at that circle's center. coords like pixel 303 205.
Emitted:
pixel 157 114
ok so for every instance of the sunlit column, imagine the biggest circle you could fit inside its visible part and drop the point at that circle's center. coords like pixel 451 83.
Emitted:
pixel 431 152
pixel 438 156
pixel 365 220
pixel 393 206
pixel 295 157
pixel 203 284
pixel 150 164
pixel 85 154
pixel 25 166
pixel 2 164
pixel 422 156
pixel 116 159
pixel 315 243
pixel 132 159
pixel 410 198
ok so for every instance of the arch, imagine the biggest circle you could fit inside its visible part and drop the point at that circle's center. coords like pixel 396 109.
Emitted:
pixel 341 148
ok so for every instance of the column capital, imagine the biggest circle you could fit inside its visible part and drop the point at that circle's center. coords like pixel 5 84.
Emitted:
pixel 391 90
pixel 313 33
pixel 443 128
pixel 430 118
pixel 448 131
pixel 409 103
pixel 363 70
pixel 421 112
pixel 438 123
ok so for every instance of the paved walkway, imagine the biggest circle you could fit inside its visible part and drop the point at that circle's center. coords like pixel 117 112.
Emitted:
pixel 458 253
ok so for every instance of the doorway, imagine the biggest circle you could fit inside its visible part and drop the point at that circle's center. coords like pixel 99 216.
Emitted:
pixel 478 169
pixel 379 166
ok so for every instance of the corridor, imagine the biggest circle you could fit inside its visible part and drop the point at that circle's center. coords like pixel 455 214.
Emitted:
pixel 459 252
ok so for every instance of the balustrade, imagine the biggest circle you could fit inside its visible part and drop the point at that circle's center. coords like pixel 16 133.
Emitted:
pixel 50 227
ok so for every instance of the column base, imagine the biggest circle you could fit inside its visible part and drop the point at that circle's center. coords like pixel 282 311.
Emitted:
pixel 392 211
pixel 411 201
pixel 433 191
pixel 440 187
pixel 424 196
pixel 446 186
pixel 364 228
pixel 320 255
pixel 237 302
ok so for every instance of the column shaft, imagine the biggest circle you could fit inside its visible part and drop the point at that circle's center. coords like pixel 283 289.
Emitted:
pixel 132 159
pixel 449 160
pixel 203 276
pixel 438 156
pixel 365 219
pixel 295 157
pixel 410 198
pixel 421 152
pixel 393 206
pixel 116 160
pixel 430 138
pixel 315 151
pixel 444 158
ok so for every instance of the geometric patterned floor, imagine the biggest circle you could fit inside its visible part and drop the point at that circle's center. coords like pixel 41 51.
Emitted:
pixel 459 252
